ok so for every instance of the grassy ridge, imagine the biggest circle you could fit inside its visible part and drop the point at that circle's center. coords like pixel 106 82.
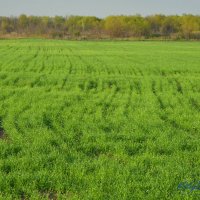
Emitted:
pixel 99 120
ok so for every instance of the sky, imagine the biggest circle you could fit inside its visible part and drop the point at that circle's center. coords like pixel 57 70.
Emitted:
pixel 99 8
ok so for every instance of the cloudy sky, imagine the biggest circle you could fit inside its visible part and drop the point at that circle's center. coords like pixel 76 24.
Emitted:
pixel 100 8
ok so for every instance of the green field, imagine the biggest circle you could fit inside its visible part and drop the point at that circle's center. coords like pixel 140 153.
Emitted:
pixel 99 120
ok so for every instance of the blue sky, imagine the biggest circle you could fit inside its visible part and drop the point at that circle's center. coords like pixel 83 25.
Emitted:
pixel 99 8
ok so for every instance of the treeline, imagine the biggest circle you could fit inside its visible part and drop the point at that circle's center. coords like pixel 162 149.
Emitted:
pixel 81 27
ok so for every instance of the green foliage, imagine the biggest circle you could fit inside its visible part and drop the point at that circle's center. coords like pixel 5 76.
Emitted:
pixel 99 120
pixel 77 27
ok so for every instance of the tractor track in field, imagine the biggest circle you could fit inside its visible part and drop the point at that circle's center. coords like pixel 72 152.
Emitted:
pixel 70 64
pixel 68 60
pixel 194 104
pixel 2 132
pixel 52 67
pixel 64 82
pixel 69 73
pixel 9 63
pixel 105 65
pixel 164 116
pixel 128 101
pixel 159 100
pixel 16 119
pixel 107 104
pixel 137 70
pixel 43 67
pixel 179 87
pixel 89 68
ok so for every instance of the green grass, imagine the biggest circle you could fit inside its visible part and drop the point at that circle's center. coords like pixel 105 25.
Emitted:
pixel 99 120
